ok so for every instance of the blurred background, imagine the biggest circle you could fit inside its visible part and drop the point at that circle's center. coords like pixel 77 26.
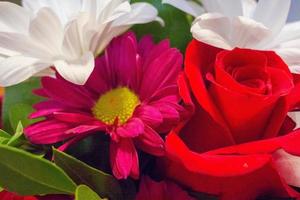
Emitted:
pixel 294 11
pixel 293 16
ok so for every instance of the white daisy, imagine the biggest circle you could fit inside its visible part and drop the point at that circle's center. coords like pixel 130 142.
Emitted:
pixel 64 34
pixel 246 24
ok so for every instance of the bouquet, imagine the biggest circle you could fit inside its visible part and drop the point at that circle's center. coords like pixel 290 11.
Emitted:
pixel 149 100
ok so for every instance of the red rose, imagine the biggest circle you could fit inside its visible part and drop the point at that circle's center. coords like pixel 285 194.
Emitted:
pixel 232 146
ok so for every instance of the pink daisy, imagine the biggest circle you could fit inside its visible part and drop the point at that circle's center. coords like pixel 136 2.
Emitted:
pixel 132 95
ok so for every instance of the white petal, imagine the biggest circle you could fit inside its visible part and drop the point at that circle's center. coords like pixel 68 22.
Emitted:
pixel 229 8
pixel 85 30
pixel 107 6
pixel 46 72
pixel 100 11
pixel 79 34
pixel 16 69
pixel 7 52
pixel 13 18
pixel 77 71
pixel 72 41
pixel 249 7
pixel 213 29
pixel 31 5
pixel 296 117
pixel 187 6
pixel 286 48
pixel 272 13
pixel 46 30
pixel 141 13
pixel 247 33
pixel 21 44
pixel 227 33
pixel 160 21
pixel 101 40
pixel 290 53
pixel 118 11
pixel 65 9
pixel 90 7
pixel 290 31
pixel 295 68
pixel 288 167
pixel 197 9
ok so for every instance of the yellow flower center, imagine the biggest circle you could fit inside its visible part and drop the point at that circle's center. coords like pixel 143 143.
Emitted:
pixel 118 103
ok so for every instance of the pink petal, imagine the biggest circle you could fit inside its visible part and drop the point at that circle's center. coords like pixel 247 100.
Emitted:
pixel 145 45
pixel 96 82
pixel 45 108
pixel 121 56
pixel 170 114
pixel 152 53
pixel 132 128
pixel 171 90
pixel 43 113
pixel 66 93
pixel 105 71
pixel 47 132
pixel 84 129
pixel 161 72
pixel 170 99
pixel 135 169
pixel 151 142
pixel 73 117
pixel 123 158
pixel 48 104
pixel 149 115
pixel 168 111
pixel 40 92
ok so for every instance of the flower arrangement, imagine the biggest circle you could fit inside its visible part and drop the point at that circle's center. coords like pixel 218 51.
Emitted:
pixel 158 100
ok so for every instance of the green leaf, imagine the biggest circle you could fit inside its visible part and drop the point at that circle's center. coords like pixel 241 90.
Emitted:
pixel 4 134
pixel 177 25
pixel 35 150
pixel 83 192
pixel 17 105
pixel 26 174
pixel 4 137
pixel 18 140
pixel 14 140
pixel 104 184
pixel 3 140
pixel 19 113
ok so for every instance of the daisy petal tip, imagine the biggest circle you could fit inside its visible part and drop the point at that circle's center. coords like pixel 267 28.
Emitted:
pixel 160 21
pixel 77 72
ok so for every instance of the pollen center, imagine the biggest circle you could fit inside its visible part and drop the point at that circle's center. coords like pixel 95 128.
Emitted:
pixel 116 104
